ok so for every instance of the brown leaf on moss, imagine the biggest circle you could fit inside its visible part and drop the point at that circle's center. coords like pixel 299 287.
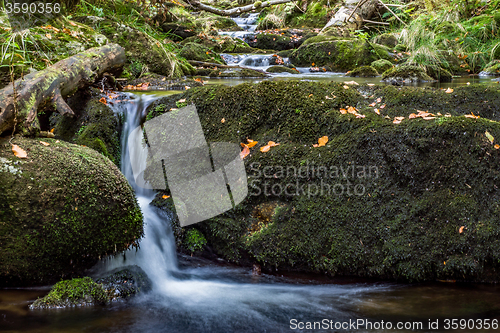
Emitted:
pixel 19 152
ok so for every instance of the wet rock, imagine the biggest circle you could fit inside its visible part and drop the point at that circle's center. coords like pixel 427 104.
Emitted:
pixel 382 65
pixel 124 282
pixel 237 72
pixel 193 51
pixel 282 69
pixel 388 39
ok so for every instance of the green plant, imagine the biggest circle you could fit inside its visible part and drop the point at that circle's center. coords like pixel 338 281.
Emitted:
pixel 194 240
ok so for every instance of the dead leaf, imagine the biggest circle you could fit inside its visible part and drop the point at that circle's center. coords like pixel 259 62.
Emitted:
pixel 223 120
pixel 497 146
pixel 428 118
pixel 461 229
pixel 379 100
pixel 489 136
pixel 52 130
pixel 346 87
pixel 382 106
pixel 103 101
pixel 373 104
pixel 321 142
pixel 57 141
pixel 165 196
pixel 251 143
pixel 187 87
pixel 448 91
pixel 244 153
pixel 351 83
pixel 45 143
pixel 472 116
pixel 412 116
pixel 49 36
pixel 270 144
pixel 182 100
pixel 343 111
pixel 377 111
pixel 19 152
pixel 72 24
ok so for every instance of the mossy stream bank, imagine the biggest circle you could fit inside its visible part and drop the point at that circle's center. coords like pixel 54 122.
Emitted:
pixel 412 201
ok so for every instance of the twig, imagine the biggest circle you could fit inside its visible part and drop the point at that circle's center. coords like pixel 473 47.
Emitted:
pixel 383 4
pixel 383 23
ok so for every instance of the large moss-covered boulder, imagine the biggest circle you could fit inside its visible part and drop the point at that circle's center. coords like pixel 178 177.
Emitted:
pixel 220 44
pixel 406 74
pixel 382 65
pixel 342 55
pixel 412 199
pixel 61 209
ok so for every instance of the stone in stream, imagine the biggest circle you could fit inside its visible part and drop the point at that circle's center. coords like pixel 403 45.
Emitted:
pixel 363 71
pixel 282 69
pixel 406 74
pixel 414 201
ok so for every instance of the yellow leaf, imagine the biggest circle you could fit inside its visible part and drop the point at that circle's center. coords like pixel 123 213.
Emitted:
pixel 321 141
pixel 412 116
pixel 489 136
pixel 472 115
pixel 448 91
pixel 346 87
pixel 52 130
pixel 103 101
pixel 461 229
pixel 45 143
pixel 165 196
pixel 223 120
pixel 19 152
pixel 244 153
pixel 251 143
pixel 343 111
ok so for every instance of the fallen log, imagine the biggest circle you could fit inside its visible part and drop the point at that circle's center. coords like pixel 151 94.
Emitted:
pixel 350 16
pixel 238 10
pixel 20 101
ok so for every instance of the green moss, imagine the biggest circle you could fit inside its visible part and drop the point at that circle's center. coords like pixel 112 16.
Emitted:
pixel 439 73
pixel 430 178
pixel 75 292
pixel 364 71
pixel 243 72
pixel 282 69
pixel 406 74
pixel 194 240
pixel 386 39
pixel 338 54
pixel 68 208
pixel 382 65
pixel 193 51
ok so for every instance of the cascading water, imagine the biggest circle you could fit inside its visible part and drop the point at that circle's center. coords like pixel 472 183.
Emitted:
pixel 248 24
pixel 213 298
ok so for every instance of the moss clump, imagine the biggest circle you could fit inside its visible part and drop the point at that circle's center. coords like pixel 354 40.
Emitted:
pixel 71 293
pixel 406 74
pixel 418 182
pixel 341 55
pixel 387 39
pixel 364 71
pixel 193 51
pixel 439 73
pixel 282 69
pixel 382 65
pixel 276 42
pixel 68 207
pixel 492 68
pixel 220 44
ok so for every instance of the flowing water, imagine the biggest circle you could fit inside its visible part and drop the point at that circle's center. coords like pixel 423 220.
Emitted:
pixel 193 295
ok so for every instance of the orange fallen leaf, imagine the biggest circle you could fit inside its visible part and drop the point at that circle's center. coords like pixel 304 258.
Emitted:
pixel 49 36
pixel 165 196
pixel 428 118
pixel 346 87
pixel 52 130
pixel 103 101
pixel 472 115
pixel 270 144
pixel 343 111
pixel 312 64
pixel 19 152
pixel 461 229
pixel 497 146
pixel 373 104
pixel 412 116
pixel 244 153
pixel 382 106
pixel 251 143
pixel 45 143
pixel 377 111
pixel 182 100
pixel 321 142
pixel 223 120
pixel 72 23
pixel 57 141
pixel 448 91
pixel 379 100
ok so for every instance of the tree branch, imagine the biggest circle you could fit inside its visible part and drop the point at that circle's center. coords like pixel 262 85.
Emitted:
pixel 237 10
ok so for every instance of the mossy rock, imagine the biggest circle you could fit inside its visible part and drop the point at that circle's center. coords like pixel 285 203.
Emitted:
pixel 382 65
pixel 96 125
pixel 427 201
pixel 439 73
pixel 221 44
pixel 388 39
pixel 406 74
pixel 491 69
pixel 364 71
pixel 72 293
pixel 193 51
pixel 124 282
pixel 340 55
pixel 61 209
pixel 237 72
pixel 282 69
pixel 276 42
